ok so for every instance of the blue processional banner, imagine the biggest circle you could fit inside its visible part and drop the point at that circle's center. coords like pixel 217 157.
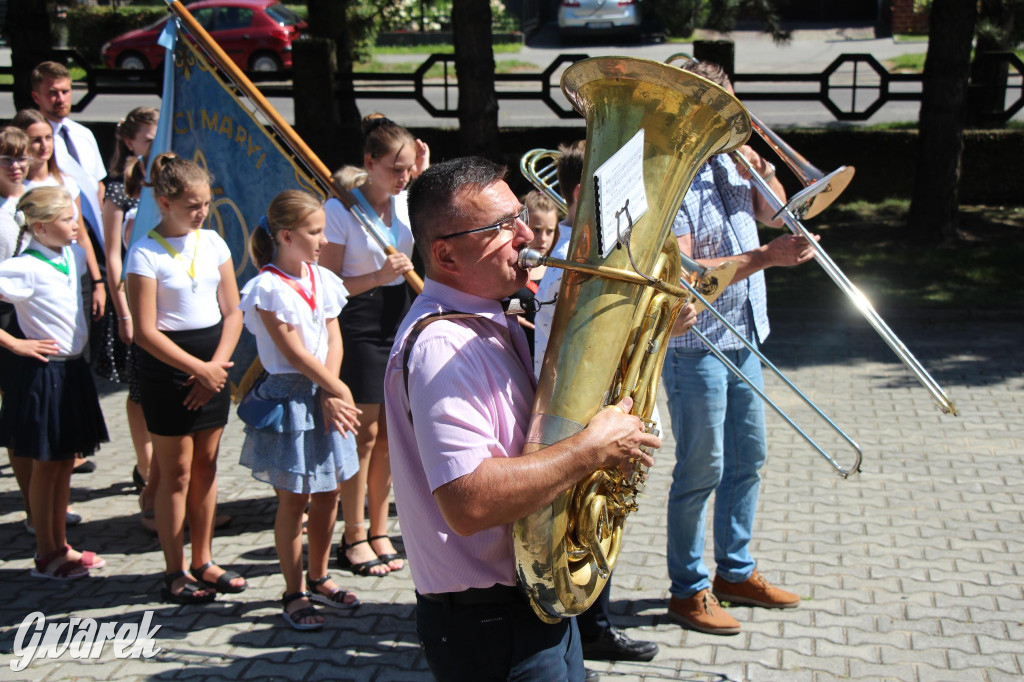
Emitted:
pixel 202 118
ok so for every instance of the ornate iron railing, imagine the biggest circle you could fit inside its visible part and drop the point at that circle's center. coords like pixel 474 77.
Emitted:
pixel 853 87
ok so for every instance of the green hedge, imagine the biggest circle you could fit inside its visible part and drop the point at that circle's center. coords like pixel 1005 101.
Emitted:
pixel 90 27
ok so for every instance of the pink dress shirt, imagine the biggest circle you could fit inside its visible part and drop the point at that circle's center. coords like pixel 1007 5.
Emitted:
pixel 471 385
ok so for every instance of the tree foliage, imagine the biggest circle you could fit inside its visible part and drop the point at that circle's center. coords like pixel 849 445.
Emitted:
pixel 682 17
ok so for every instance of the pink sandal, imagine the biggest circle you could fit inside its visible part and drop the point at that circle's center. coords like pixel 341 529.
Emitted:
pixel 89 559
pixel 66 570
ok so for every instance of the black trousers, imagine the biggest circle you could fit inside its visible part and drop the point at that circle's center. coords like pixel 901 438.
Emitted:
pixel 496 641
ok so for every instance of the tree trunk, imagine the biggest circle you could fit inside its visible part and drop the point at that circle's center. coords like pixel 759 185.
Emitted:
pixel 329 19
pixel 474 67
pixel 986 97
pixel 935 202
pixel 28 32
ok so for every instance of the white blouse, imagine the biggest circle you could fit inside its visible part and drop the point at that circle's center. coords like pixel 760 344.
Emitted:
pixel 181 302
pixel 268 291
pixel 48 302
pixel 362 253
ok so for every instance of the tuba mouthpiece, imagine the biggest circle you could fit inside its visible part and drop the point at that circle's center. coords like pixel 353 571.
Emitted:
pixel 529 258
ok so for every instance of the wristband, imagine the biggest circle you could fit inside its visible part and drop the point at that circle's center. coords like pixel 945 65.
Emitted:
pixel 126 317
pixel 101 280
pixel 771 172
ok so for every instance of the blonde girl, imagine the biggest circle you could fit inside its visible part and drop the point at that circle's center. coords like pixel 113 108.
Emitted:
pixel 50 410
pixel 292 307
pixel 379 299
pixel 184 304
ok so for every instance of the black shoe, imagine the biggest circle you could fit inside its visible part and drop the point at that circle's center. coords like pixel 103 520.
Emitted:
pixel 86 467
pixel 592 675
pixel 614 645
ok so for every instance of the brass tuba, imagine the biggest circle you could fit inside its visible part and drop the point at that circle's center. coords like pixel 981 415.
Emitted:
pixel 609 336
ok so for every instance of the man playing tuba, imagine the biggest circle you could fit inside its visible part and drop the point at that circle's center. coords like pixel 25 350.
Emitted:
pixel 459 388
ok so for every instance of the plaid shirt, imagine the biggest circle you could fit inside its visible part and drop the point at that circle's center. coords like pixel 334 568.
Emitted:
pixel 718 213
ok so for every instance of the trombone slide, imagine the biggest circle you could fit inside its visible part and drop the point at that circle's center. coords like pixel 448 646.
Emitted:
pixel 860 301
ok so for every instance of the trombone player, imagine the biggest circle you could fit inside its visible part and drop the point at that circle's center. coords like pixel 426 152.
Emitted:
pixel 717 420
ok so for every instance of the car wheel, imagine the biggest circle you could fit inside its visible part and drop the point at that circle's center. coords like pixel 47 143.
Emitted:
pixel 265 61
pixel 132 60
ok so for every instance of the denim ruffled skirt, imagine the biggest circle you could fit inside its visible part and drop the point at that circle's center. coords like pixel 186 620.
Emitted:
pixel 300 458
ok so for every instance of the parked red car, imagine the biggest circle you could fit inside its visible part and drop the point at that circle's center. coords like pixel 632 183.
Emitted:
pixel 256 34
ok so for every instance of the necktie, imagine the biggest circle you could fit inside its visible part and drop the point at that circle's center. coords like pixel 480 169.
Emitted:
pixel 71 145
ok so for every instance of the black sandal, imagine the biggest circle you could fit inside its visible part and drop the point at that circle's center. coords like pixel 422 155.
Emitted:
pixel 187 593
pixel 387 558
pixel 335 599
pixel 294 618
pixel 363 568
pixel 223 583
pixel 138 480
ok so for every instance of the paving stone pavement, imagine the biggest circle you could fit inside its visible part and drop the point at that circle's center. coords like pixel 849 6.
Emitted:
pixel 909 571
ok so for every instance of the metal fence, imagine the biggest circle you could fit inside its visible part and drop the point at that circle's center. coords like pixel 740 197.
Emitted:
pixel 853 87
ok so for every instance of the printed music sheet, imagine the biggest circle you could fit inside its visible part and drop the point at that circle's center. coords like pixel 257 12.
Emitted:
pixel 621 197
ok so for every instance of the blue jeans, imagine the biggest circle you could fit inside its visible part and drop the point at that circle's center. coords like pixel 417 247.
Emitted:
pixel 718 424
pixel 506 642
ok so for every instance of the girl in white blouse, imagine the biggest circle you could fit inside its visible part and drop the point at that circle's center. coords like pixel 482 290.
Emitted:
pixel 184 302
pixel 50 410
pixel 292 308
pixel 379 299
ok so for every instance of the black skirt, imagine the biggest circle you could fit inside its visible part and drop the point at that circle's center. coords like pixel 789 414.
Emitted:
pixel 368 325
pixel 51 411
pixel 164 390
pixel 9 323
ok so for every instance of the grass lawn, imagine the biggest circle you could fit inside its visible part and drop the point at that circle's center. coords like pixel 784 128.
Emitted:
pixel 982 271
pixel 499 48
pixel 437 70
pixel 914 63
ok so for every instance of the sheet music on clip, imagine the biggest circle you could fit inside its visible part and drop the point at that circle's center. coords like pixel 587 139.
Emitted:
pixel 621 196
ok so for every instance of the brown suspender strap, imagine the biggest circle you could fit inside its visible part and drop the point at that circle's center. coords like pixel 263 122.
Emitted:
pixel 410 341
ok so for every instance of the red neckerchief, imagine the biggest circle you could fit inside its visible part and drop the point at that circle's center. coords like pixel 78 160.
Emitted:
pixel 308 298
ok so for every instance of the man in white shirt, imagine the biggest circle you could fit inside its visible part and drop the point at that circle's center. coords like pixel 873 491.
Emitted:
pixel 74 145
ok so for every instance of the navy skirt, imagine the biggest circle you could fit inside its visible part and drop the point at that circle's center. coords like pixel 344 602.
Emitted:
pixel 164 390
pixel 51 411
pixel 9 323
pixel 368 324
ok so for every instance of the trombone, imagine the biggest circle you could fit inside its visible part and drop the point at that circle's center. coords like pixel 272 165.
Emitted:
pixel 547 174
pixel 859 300
pixel 706 287
pixel 820 190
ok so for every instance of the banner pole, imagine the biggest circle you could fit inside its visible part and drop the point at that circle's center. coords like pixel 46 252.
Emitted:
pixel 291 138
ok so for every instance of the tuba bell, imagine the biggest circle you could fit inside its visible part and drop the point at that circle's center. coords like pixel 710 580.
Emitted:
pixel 609 335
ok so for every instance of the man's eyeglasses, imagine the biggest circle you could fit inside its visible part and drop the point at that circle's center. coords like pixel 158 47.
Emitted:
pixel 8 161
pixel 506 228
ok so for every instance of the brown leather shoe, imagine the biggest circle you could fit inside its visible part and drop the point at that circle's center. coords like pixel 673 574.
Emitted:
pixel 703 613
pixel 754 591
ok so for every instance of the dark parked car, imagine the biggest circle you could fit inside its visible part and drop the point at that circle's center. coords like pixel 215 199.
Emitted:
pixel 256 34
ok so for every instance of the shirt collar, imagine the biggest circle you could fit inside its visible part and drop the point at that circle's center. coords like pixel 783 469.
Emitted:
pixel 43 249
pixel 449 298
pixel 63 123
